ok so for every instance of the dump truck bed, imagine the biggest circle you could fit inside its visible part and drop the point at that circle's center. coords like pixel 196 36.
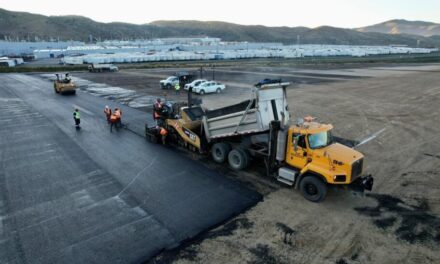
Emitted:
pixel 252 116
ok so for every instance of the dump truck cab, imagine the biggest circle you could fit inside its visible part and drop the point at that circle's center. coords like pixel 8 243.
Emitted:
pixel 313 160
pixel 311 149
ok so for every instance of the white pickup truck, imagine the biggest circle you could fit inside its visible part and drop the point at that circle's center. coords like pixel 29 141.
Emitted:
pixel 209 87
pixel 169 82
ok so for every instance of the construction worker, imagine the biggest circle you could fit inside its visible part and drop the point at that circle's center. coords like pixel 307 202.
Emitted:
pixel 115 119
pixel 67 79
pixel 77 118
pixel 118 114
pixel 163 134
pixel 177 88
pixel 157 110
pixel 108 113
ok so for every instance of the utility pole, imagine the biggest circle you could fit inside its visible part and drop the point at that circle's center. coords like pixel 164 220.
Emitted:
pixel 213 72
pixel 201 72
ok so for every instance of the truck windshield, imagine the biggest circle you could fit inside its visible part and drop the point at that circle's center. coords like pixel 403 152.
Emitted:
pixel 320 140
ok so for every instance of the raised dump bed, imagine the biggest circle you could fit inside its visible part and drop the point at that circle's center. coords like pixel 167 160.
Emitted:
pixel 268 103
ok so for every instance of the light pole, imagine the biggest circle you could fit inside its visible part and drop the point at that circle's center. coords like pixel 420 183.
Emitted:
pixel 213 72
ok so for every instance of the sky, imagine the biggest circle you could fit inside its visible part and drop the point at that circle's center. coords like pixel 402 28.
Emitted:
pixel 311 13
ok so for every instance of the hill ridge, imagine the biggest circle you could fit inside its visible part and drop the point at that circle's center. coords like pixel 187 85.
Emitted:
pixel 28 26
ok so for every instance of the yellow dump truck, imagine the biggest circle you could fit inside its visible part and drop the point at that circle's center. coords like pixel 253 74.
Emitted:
pixel 302 154
pixel 64 84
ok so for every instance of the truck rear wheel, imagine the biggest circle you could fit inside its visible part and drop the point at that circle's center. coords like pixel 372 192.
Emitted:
pixel 238 159
pixel 220 152
pixel 313 189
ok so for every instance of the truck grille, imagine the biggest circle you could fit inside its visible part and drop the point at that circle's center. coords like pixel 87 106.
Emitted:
pixel 356 168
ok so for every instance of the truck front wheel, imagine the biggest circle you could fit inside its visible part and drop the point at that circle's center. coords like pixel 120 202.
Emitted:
pixel 238 159
pixel 313 189
pixel 220 152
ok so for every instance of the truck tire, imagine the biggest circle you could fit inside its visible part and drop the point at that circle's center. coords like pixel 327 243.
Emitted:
pixel 219 90
pixel 238 159
pixel 202 92
pixel 246 156
pixel 168 86
pixel 220 151
pixel 313 189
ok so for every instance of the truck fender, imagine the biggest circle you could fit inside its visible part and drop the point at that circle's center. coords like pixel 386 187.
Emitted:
pixel 308 171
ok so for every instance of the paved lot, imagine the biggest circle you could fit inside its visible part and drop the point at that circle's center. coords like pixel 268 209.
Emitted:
pixel 91 196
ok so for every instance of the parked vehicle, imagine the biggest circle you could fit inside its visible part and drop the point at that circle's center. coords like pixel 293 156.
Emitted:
pixel 194 84
pixel 209 87
pixel 182 78
pixel 169 82
pixel 268 81
pixel 7 63
pixel 103 68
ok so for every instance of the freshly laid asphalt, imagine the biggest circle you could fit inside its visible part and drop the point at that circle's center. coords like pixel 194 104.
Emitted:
pixel 91 196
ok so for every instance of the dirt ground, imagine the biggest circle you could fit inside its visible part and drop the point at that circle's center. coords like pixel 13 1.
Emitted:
pixel 399 222
pixel 238 81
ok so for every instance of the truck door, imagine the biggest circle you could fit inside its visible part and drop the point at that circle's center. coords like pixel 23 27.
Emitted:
pixel 297 154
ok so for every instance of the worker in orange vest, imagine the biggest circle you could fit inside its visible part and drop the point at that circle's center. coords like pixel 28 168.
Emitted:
pixel 115 119
pixel 118 114
pixel 157 110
